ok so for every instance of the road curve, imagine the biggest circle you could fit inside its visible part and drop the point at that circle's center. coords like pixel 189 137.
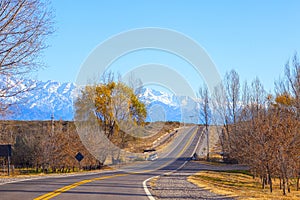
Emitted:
pixel 125 183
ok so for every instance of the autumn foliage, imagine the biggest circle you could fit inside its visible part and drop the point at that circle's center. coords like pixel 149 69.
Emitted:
pixel 116 108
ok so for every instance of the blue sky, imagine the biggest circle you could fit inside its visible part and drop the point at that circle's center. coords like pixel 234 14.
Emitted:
pixel 255 38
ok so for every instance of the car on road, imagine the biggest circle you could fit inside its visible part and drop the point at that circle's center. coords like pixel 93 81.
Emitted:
pixel 152 157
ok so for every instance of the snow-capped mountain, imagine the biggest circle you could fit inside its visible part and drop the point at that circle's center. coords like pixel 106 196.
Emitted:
pixel 47 99
pixel 56 99
pixel 163 106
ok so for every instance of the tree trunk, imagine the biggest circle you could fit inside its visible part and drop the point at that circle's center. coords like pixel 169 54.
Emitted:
pixel 280 183
pixel 263 179
pixel 283 186
pixel 298 183
pixel 270 178
pixel 254 174
pixel 271 184
pixel 266 180
pixel 207 140
pixel 288 185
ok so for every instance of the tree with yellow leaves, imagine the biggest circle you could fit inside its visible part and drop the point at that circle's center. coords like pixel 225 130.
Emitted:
pixel 115 106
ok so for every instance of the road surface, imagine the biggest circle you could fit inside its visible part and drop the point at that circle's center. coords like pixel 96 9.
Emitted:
pixel 125 183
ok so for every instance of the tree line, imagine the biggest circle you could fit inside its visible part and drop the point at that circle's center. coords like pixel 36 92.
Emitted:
pixel 45 146
pixel 257 128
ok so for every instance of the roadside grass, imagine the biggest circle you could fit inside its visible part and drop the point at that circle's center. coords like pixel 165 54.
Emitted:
pixel 214 163
pixel 150 133
pixel 239 184
pixel 31 172
pixel 152 182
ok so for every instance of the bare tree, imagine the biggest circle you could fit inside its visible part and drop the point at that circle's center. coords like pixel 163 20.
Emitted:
pixel 24 25
pixel 219 114
pixel 232 88
pixel 226 103
pixel 258 96
pixel 205 112
pixel 135 83
pixel 290 83
pixel 288 97
pixel 266 136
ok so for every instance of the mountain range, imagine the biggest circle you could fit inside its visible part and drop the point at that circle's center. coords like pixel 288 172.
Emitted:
pixel 54 99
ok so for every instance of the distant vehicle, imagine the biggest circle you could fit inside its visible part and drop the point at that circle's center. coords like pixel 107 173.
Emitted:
pixel 152 157
pixel 195 156
pixel 149 150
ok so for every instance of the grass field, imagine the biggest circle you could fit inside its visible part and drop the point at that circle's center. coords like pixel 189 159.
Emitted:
pixel 240 185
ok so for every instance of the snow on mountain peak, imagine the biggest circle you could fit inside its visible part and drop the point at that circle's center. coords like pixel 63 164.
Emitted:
pixel 55 98
pixel 151 95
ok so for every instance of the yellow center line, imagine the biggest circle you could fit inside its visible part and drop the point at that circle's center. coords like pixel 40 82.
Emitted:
pixel 180 153
pixel 69 187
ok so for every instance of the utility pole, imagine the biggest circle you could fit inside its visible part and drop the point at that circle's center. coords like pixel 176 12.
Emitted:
pixel 52 124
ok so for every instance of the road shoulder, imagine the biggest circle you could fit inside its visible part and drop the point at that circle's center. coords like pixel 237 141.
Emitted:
pixel 176 185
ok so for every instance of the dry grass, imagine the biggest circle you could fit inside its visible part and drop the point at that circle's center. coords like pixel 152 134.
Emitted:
pixel 152 182
pixel 152 131
pixel 214 144
pixel 211 163
pixel 238 185
pixel 214 139
pixel 17 174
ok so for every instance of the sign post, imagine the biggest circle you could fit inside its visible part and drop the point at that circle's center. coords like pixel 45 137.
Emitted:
pixel 79 158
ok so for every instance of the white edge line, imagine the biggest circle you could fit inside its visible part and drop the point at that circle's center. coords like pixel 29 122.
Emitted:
pixel 148 193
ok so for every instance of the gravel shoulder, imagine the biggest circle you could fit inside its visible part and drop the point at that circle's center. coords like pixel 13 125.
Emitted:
pixel 176 186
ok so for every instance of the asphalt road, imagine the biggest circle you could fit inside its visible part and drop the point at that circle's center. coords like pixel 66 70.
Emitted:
pixel 125 183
